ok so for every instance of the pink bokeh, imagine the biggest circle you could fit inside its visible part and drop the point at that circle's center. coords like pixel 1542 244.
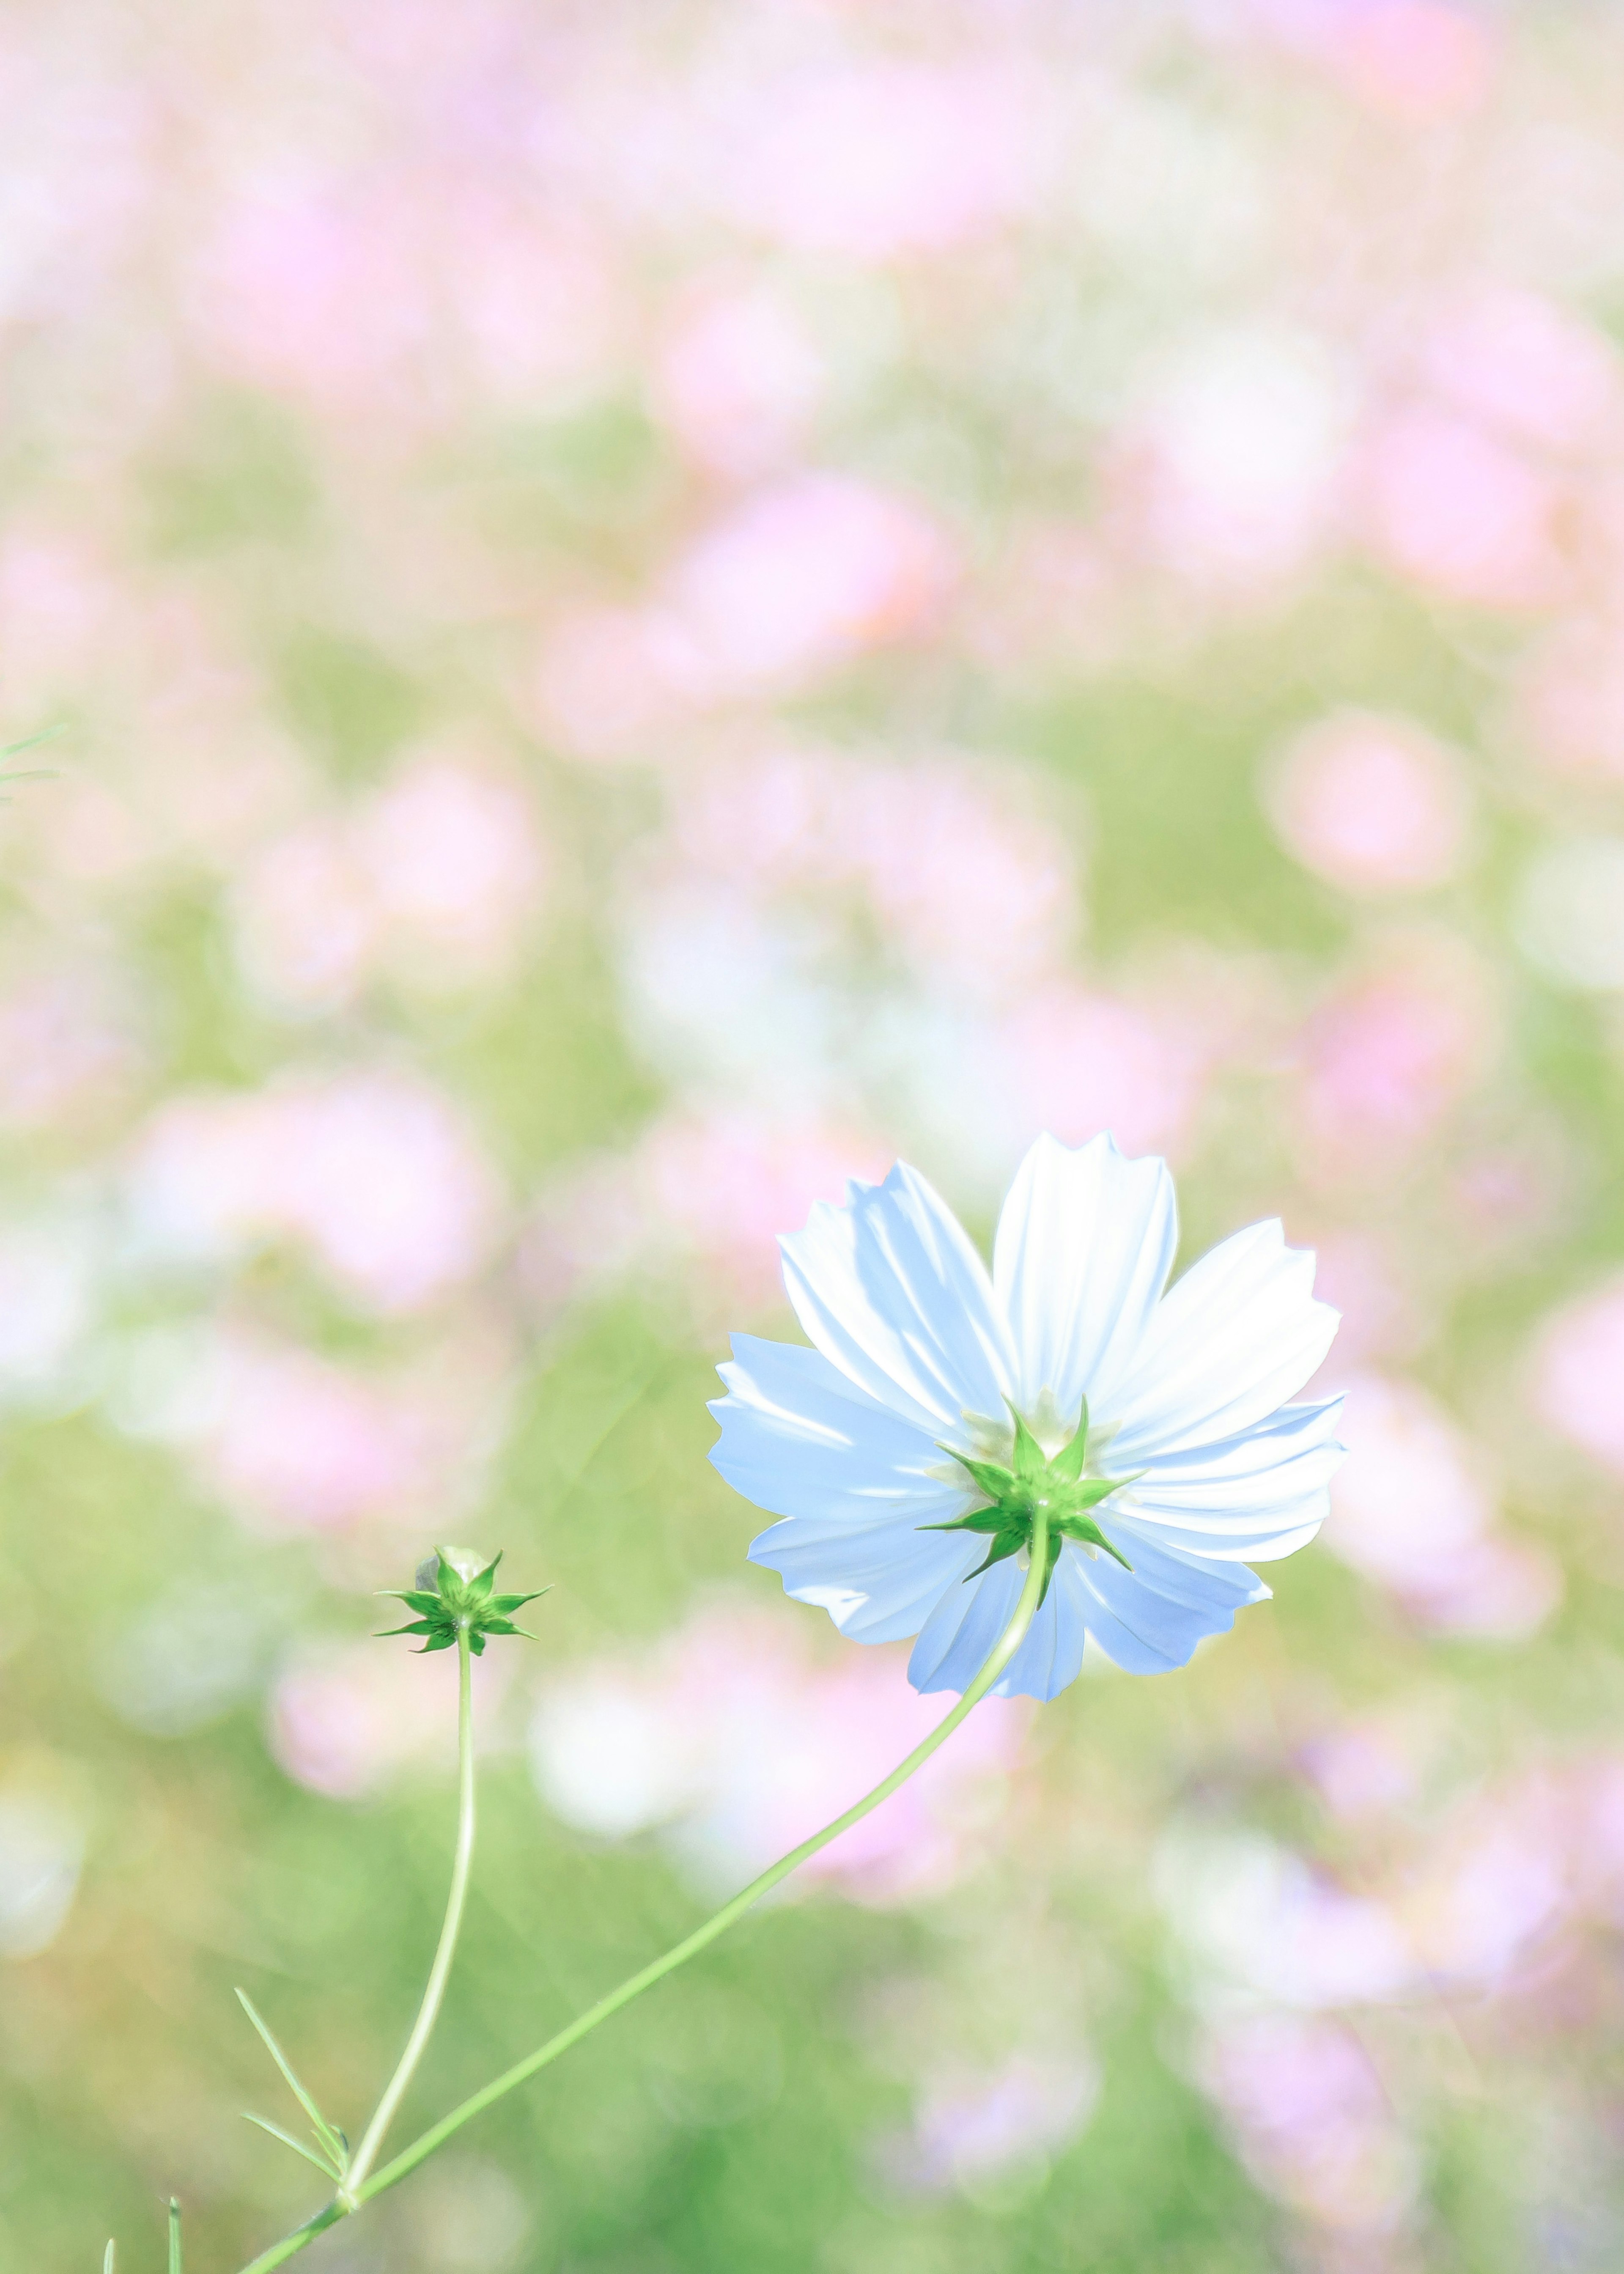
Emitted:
pixel 876 161
pixel 1079 1059
pixel 802 577
pixel 743 1743
pixel 971 2125
pixel 1313 2121
pixel 1413 1510
pixel 1579 1370
pixel 1371 805
pixel 377 1175
pixel 1388 1058
pixel 1447 503
pixel 738 381
pixel 348 1719
pixel 438 878
pixel 703 1197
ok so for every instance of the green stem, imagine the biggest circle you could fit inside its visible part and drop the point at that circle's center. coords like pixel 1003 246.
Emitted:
pixel 363 2191
pixel 366 2154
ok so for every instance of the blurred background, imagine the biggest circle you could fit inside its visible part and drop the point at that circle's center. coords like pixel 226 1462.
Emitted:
pixel 651 606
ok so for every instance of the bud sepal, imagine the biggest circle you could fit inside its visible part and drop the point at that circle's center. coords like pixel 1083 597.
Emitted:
pixel 454 1595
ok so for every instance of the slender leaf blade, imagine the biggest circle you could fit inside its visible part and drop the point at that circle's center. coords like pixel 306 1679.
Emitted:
pixel 331 2140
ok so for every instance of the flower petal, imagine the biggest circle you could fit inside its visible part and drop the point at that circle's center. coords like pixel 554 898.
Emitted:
pixel 890 1291
pixel 1086 1241
pixel 958 1638
pixel 799 1437
pixel 1261 1495
pixel 1149 1620
pixel 879 1585
pixel 1225 1347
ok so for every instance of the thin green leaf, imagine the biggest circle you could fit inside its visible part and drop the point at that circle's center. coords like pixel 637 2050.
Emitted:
pixel 174 2264
pixel 321 2163
pixel 108 2258
pixel 330 2139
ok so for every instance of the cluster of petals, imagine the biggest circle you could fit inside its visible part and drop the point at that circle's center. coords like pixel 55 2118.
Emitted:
pixel 919 1355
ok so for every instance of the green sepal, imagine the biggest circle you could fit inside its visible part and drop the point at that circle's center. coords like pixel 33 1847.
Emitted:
pixel 476 1642
pixel 415 1599
pixel 439 1640
pixel 991 1476
pixel 480 1587
pixel 504 1605
pixel 1030 1459
pixel 980 1519
pixel 1051 1557
pixel 1005 1544
pixel 1085 1529
pixel 418 1626
pixel 1068 1462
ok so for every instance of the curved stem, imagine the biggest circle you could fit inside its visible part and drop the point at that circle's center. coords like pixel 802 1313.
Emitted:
pixel 366 2154
pixel 363 2190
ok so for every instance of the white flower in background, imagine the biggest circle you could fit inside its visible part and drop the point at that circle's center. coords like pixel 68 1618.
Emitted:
pixel 908 1450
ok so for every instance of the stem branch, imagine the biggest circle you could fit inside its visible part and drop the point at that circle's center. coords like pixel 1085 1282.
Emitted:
pixel 366 2154
pixel 364 2183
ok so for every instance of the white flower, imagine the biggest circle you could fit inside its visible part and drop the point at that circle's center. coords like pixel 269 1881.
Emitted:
pixel 1171 1457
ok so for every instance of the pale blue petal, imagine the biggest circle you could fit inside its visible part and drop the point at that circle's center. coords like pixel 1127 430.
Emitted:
pixel 800 1438
pixel 1150 1619
pixel 1226 1345
pixel 890 1291
pixel 957 1639
pixel 1260 1496
pixel 1085 1243
pixel 878 1586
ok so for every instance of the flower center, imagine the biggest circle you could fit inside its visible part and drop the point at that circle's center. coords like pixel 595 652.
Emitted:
pixel 1031 1483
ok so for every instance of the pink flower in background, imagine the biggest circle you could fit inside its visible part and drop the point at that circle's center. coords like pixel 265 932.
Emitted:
pixel 801 578
pixel 1386 1060
pixel 699 1194
pixel 1520 363
pixel 1411 1509
pixel 1079 1061
pixel 610 682
pixel 317 289
pixel 740 1742
pixel 1447 504
pixel 969 2126
pixel 1568 699
pixel 377 1174
pixel 59 600
pixel 1373 804
pixel 347 1719
pixel 965 877
pixel 68 1048
pixel 1360 1277
pixel 1579 1374
pixel 1422 62
pixel 295 1442
pixel 438 877
pixel 726 1188
pixel 875 160
pixel 1313 2122
pixel 1493 1885
pixel 737 381
pixel 541 310
pixel 305 924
